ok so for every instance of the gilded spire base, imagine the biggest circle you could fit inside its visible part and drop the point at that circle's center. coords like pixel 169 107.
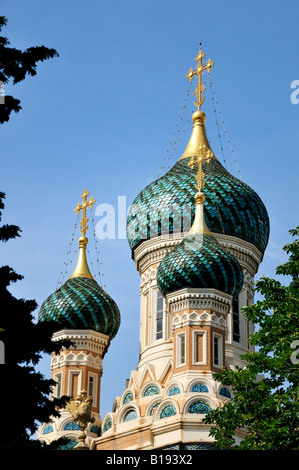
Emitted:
pixel 199 224
pixel 198 139
pixel 82 269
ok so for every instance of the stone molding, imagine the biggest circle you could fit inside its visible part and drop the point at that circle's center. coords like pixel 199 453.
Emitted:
pixel 78 360
pixel 196 319
pixel 90 340
pixel 199 299
pixel 153 251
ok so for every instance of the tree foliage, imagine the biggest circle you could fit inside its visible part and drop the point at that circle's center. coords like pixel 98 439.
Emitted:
pixel 265 393
pixel 15 65
pixel 24 392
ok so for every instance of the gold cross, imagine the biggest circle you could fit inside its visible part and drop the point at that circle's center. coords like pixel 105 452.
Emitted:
pixel 205 154
pixel 199 90
pixel 85 204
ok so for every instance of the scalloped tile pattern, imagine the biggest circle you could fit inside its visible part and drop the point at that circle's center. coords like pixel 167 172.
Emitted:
pixel 80 303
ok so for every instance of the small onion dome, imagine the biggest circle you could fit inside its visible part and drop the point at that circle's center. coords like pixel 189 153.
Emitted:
pixel 80 303
pixel 199 261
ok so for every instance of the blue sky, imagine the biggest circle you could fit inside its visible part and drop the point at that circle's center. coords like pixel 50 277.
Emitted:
pixel 101 117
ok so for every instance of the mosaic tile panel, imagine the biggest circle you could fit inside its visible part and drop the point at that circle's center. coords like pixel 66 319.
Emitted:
pixel 153 407
pixel 69 446
pixel 128 397
pixel 199 407
pixel 151 390
pixel 107 424
pixel 168 411
pixel 48 429
pixel 82 303
pixel 96 429
pixel 225 392
pixel 231 206
pixel 202 388
pixel 174 391
pixel 71 426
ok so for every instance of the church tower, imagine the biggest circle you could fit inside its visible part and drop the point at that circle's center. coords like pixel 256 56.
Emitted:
pixel 197 235
pixel 89 318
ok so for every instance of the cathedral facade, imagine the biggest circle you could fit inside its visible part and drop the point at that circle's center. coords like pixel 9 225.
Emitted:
pixel 197 236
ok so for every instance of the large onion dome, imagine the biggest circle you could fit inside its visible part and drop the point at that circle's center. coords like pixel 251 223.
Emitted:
pixel 231 206
pixel 199 261
pixel 80 303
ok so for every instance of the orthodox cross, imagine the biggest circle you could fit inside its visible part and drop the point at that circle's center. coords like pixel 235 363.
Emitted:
pixel 205 154
pixel 199 71
pixel 85 204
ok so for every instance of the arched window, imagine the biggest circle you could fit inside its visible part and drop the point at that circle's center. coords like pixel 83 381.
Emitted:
pixel 71 426
pixel 225 392
pixel 48 429
pixel 153 407
pixel 130 415
pixel 199 407
pixel 199 387
pixel 107 424
pixel 168 411
pixel 94 428
pixel 69 446
pixel 128 397
pixel 174 391
pixel 151 390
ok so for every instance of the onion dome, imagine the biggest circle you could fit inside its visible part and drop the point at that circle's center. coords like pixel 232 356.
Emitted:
pixel 231 206
pixel 80 303
pixel 199 261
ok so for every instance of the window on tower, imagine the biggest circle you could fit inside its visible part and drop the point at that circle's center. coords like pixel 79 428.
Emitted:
pixel 159 317
pixel 217 350
pixel 91 387
pixel 236 320
pixel 181 349
pixel 58 386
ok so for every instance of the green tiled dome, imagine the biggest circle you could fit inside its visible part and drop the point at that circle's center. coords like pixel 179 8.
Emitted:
pixel 199 261
pixel 231 206
pixel 80 303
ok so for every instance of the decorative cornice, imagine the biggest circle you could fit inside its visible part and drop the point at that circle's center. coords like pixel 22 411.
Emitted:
pixel 196 319
pixel 90 340
pixel 153 251
pixel 199 299
pixel 246 253
pixel 78 360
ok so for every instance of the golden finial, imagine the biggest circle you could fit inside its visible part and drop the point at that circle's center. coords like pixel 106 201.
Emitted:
pixel 82 269
pixel 85 204
pixel 199 224
pixel 198 136
pixel 200 88
pixel 204 154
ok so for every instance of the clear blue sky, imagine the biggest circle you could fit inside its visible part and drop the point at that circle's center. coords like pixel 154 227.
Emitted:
pixel 102 114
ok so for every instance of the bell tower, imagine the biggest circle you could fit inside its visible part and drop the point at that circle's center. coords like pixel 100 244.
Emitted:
pixel 88 318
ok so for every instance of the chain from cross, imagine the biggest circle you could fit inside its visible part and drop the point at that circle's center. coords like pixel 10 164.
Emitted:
pixel 83 206
pixel 205 154
pixel 200 88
